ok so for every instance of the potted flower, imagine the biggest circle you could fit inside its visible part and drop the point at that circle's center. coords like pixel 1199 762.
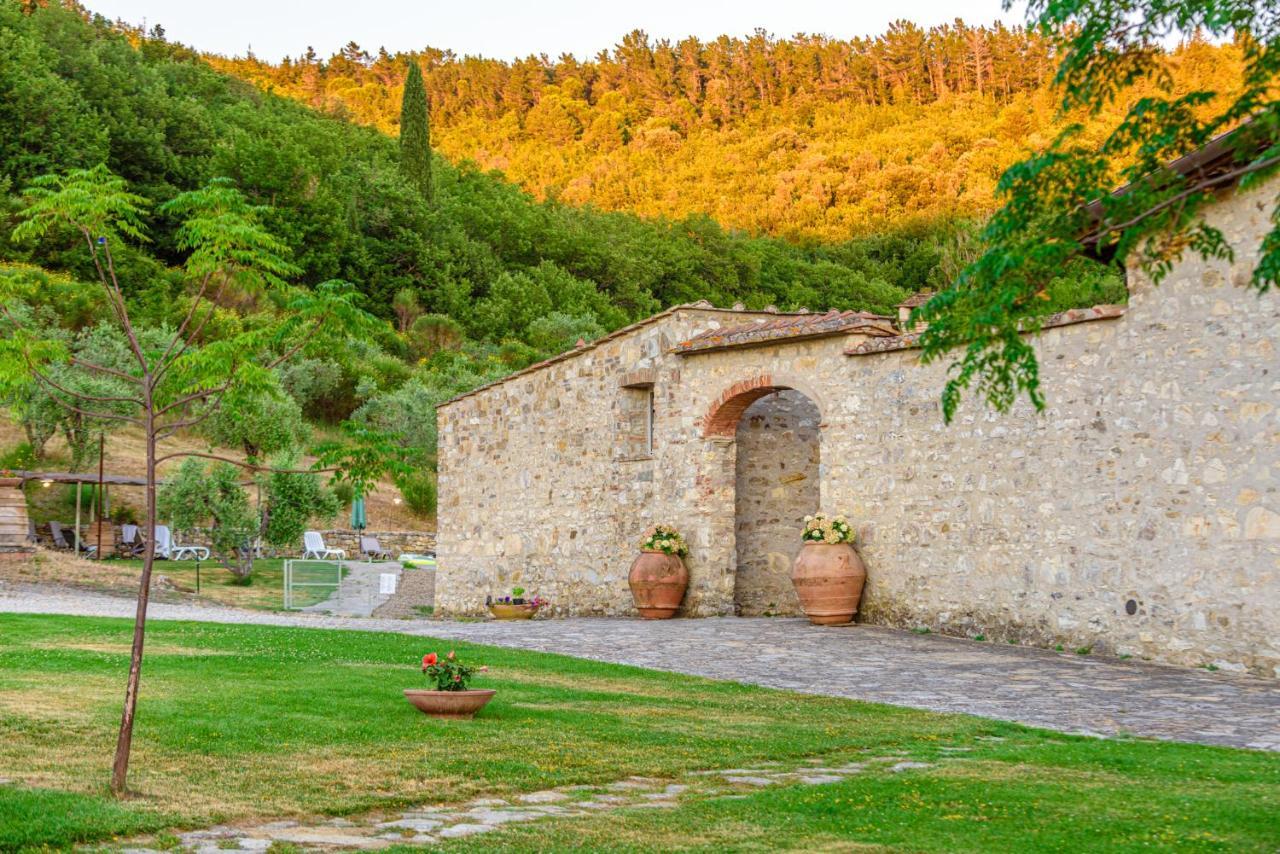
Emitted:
pixel 515 606
pixel 828 574
pixel 450 698
pixel 658 576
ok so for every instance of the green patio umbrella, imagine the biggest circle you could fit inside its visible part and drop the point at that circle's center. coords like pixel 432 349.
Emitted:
pixel 358 519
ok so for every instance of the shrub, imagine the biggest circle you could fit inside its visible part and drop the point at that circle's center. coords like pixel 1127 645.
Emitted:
pixel 419 491
pixel 20 456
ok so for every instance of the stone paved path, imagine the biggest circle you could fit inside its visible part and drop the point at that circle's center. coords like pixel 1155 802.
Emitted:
pixel 425 825
pixel 1065 692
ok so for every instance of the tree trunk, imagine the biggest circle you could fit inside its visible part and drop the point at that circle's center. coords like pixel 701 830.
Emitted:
pixel 120 768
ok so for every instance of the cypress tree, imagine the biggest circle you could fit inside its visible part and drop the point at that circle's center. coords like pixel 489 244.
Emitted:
pixel 415 134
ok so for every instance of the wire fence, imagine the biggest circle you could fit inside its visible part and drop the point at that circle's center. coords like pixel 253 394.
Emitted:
pixel 309 582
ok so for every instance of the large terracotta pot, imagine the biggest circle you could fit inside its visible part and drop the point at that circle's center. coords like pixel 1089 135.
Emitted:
pixel 658 582
pixel 449 704
pixel 508 611
pixel 828 579
pixel 14 524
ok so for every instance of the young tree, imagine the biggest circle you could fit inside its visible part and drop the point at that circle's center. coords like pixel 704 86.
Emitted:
pixel 1058 204
pixel 170 383
pixel 405 305
pixel 415 134
pixel 210 494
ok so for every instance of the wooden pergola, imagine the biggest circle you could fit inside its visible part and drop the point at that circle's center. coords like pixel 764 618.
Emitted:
pixel 100 479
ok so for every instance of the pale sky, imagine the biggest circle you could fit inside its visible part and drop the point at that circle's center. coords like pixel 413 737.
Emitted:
pixel 506 29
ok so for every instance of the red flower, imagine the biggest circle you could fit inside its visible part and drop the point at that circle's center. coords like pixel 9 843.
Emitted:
pixel 457 678
pixel 451 656
pixel 429 659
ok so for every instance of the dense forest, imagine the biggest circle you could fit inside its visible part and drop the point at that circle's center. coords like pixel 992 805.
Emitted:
pixel 810 138
pixel 473 280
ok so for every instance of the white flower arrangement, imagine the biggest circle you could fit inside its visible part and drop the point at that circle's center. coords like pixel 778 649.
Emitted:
pixel 665 539
pixel 821 528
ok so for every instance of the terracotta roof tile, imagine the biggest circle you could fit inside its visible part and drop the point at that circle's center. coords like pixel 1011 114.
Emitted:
pixel 916 299
pixel 787 327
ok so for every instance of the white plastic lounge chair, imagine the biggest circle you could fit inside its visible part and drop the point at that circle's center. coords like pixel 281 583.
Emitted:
pixel 313 547
pixel 131 541
pixel 169 550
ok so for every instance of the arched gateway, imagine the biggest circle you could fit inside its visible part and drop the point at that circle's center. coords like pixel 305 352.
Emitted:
pixel 775 430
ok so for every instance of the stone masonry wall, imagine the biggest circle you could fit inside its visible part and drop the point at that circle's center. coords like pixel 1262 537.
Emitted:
pixel 776 486
pixel 1138 514
pixel 395 542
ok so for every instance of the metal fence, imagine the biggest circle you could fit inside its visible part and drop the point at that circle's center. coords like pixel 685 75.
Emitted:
pixel 309 582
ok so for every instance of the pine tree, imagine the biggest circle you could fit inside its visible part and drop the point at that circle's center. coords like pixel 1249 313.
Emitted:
pixel 415 133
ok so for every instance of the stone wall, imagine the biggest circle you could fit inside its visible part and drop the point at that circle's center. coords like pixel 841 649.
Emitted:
pixel 395 542
pixel 1138 514
pixel 776 485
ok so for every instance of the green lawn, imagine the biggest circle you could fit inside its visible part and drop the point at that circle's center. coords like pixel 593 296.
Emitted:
pixel 264 591
pixel 255 722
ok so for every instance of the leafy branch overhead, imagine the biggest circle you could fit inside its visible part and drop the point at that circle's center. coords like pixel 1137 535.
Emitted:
pixel 1058 205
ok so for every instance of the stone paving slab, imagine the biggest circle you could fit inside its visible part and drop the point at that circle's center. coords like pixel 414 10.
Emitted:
pixel 1065 692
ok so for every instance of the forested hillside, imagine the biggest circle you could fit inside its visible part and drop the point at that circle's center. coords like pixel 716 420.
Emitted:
pixel 809 138
pixel 472 281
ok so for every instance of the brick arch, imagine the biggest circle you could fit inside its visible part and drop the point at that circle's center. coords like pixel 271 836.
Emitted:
pixel 722 416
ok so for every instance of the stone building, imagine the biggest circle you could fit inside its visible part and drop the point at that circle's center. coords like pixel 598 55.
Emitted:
pixel 1138 514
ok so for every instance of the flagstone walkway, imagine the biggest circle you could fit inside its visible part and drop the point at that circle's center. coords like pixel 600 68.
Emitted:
pixel 1066 692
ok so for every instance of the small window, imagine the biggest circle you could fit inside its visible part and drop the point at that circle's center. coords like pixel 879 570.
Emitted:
pixel 635 423
pixel 648 432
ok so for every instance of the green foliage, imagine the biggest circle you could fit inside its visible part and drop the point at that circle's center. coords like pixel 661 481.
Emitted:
pixel 210 497
pixel 292 500
pixel 418 488
pixel 432 333
pixel 344 493
pixel 415 134
pixel 408 415
pixel 1059 205
pixel 260 423
pixel 448 673
pixel 19 457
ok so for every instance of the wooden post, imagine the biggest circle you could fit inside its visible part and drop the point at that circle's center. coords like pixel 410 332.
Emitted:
pixel 101 441
pixel 78 486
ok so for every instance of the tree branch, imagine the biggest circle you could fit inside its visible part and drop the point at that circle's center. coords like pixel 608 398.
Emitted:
pixel 1205 184
pixel 75 360
pixel 254 467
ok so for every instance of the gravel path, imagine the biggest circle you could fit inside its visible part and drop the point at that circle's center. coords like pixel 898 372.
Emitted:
pixel 1065 692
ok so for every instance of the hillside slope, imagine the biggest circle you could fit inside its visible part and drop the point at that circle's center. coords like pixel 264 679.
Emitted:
pixel 809 138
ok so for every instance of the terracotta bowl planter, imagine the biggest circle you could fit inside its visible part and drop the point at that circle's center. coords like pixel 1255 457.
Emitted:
pixel 449 704
pixel 828 579
pixel 507 611
pixel 658 581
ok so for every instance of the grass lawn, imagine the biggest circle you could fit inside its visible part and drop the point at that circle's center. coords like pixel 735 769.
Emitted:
pixel 266 587
pixel 239 723
pixel 217 585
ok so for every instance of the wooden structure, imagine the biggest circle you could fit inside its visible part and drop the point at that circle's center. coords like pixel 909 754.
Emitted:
pixel 104 536
pixel 15 526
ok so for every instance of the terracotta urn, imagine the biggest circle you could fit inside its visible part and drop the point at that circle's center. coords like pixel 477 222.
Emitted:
pixel 828 579
pixel 658 581
pixel 509 611
pixel 449 704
